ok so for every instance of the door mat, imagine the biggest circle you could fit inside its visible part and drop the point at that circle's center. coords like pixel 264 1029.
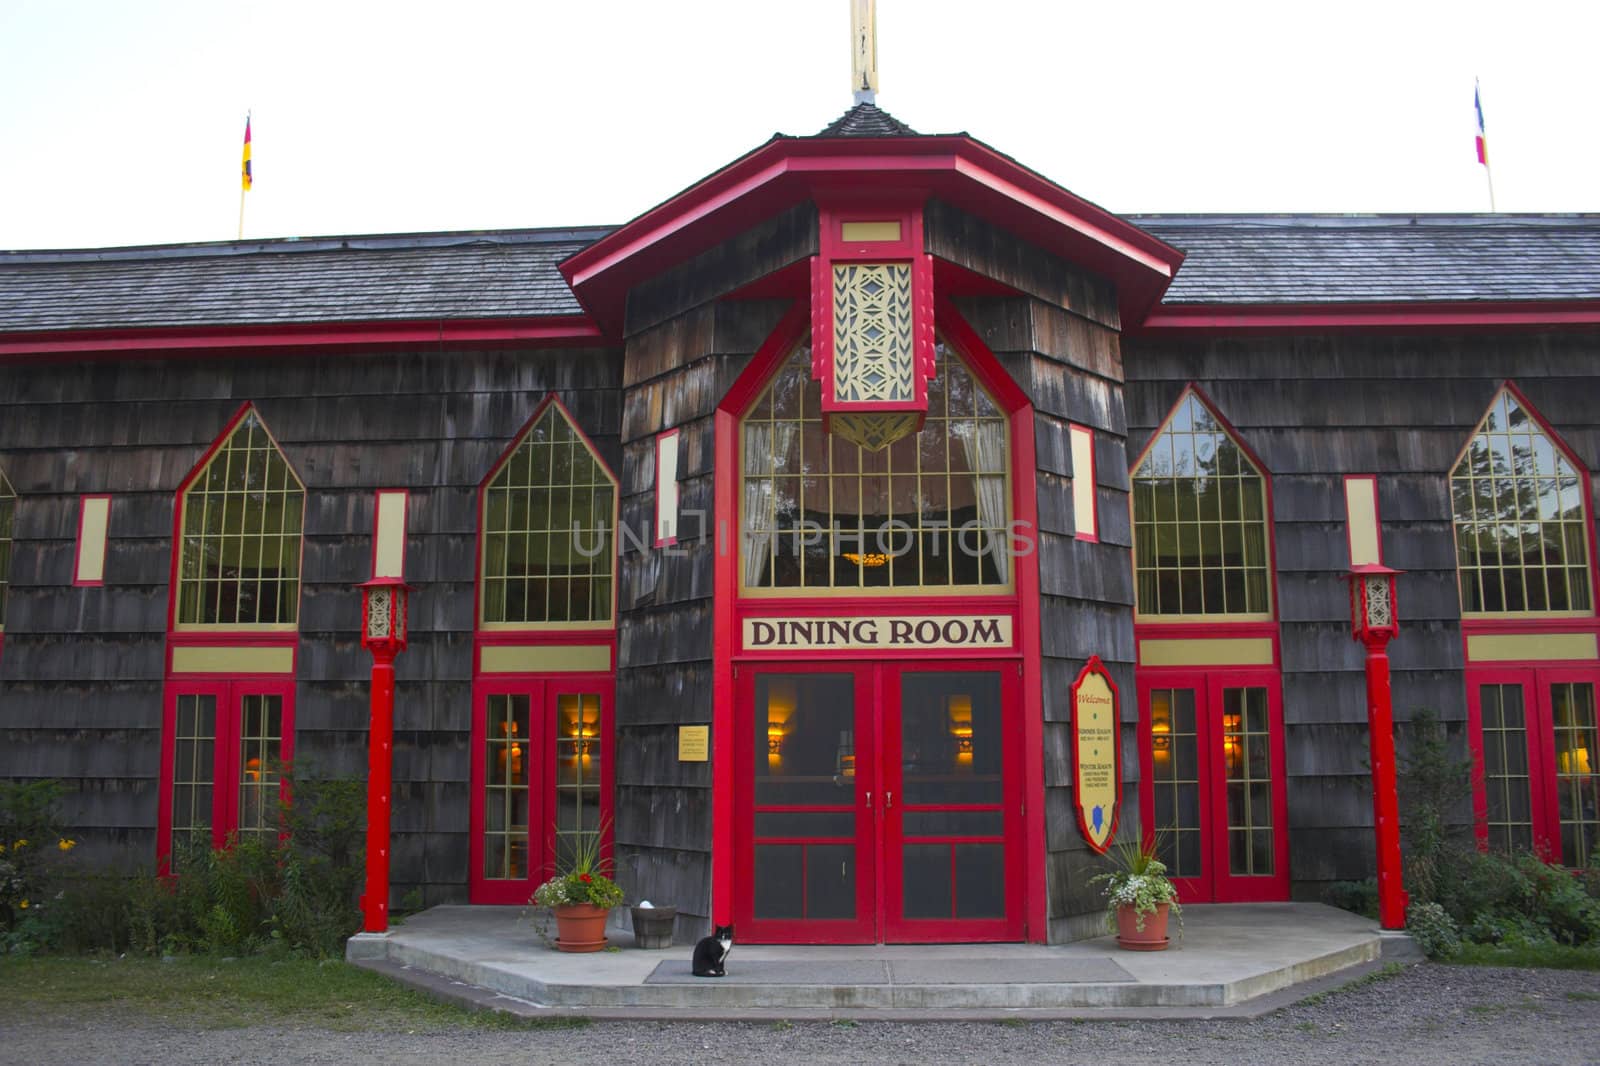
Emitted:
pixel 993 971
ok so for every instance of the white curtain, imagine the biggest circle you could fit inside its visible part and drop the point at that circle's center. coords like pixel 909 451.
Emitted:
pixel 984 441
pixel 764 442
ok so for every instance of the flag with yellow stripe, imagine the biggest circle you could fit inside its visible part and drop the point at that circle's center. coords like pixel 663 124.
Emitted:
pixel 244 174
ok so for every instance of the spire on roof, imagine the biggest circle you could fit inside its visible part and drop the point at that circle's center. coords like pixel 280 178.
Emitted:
pixel 864 50
pixel 867 120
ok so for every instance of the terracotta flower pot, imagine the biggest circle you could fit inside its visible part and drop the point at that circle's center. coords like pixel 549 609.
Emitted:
pixel 1153 937
pixel 580 926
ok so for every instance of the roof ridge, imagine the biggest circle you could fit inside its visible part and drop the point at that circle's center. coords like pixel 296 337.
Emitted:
pixel 867 120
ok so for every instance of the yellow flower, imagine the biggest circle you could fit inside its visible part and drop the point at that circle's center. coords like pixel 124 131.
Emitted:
pixel 19 844
pixel 66 845
pixel 24 904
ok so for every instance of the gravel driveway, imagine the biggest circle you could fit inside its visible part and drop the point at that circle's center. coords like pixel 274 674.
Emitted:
pixel 1426 1015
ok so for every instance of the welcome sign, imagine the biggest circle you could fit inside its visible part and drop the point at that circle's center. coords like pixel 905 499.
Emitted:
pixel 1096 751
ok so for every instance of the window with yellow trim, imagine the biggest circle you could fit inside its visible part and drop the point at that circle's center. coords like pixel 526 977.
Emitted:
pixel 8 512
pixel 931 510
pixel 1521 524
pixel 549 518
pixel 239 552
pixel 1200 522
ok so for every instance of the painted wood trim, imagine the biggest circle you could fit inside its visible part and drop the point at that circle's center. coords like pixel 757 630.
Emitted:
pixel 226 659
pixel 1531 647
pixel 389 533
pixel 1207 651
pixel 94 522
pixel 565 330
pixel 544 658
pixel 1363 527
pixel 666 526
pixel 1085 516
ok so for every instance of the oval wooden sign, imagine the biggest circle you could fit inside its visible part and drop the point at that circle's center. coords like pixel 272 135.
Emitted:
pixel 1096 754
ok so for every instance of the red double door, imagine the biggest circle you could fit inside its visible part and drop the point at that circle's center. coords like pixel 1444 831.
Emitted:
pixel 1212 782
pixel 878 802
pixel 1536 739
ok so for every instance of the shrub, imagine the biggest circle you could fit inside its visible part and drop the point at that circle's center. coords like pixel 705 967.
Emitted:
pixel 1435 789
pixel 1358 896
pixel 294 893
pixel 1434 930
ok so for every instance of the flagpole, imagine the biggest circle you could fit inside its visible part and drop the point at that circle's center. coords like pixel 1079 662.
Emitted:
pixel 1483 141
pixel 241 211
pixel 244 175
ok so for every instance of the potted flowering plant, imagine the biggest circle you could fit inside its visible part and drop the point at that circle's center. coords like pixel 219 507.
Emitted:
pixel 1139 897
pixel 580 898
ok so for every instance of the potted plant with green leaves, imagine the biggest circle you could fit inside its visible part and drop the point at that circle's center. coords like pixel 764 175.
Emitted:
pixel 581 898
pixel 1140 897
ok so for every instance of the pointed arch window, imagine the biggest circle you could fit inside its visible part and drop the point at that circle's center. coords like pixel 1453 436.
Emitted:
pixel 1200 521
pixel 548 531
pixel 242 514
pixel 871 505
pixel 8 511
pixel 1521 521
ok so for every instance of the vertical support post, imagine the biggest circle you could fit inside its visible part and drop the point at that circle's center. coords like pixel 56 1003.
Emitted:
pixel 1392 898
pixel 380 772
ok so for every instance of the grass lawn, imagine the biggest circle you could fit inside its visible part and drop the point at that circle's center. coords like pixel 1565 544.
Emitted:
pixel 224 994
pixel 1550 957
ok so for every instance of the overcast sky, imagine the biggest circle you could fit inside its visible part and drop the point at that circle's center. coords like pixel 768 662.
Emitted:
pixel 121 121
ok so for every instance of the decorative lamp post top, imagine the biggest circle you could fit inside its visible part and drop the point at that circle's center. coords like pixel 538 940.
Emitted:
pixel 1374 620
pixel 384 610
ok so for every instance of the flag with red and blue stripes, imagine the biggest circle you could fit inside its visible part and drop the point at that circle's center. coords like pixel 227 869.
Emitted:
pixel 1483 144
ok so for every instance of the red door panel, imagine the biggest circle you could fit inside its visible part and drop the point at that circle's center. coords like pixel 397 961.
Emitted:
pixel 1212 782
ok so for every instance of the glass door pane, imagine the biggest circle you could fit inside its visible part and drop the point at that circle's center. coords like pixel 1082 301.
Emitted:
pixel 1175 774
pixel 578 753
pixel 1572 716
pixel 260 762
pixel 944 816
pixel 1503 716
pixel 1247 763
pixel 511 749
pixel 812 769
pixel 193 774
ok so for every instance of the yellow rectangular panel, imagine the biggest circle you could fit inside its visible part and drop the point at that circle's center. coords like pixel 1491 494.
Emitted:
pixel 667 488
pixel 92 540
pixel 1534 647
pixel 218 660
pixel 870 231
pixel 1084 521
pixel 694 743
pixel 1207 651
pixel 389 553
pixel 1361 505
pixel 546 658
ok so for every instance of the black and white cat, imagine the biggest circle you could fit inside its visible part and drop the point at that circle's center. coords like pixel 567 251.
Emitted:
pixel 711 953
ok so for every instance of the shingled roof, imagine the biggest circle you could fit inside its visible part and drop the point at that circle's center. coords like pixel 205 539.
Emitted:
pixel 1333 259
pixel 509 274
pixel 1232 259
pixel 867 120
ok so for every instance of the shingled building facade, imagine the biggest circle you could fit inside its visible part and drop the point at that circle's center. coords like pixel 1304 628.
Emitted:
pixel 772 533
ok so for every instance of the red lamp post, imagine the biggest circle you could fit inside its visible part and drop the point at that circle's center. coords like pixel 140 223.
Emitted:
pixel 1374 622
pixel 383 633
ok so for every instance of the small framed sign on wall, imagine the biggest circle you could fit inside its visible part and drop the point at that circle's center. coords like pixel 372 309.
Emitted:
pixel 1096 754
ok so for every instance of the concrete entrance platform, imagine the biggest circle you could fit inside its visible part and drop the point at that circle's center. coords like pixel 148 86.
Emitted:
pixel 1239 959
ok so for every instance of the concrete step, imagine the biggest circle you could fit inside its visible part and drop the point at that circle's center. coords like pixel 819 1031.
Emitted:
pixel 1228 955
